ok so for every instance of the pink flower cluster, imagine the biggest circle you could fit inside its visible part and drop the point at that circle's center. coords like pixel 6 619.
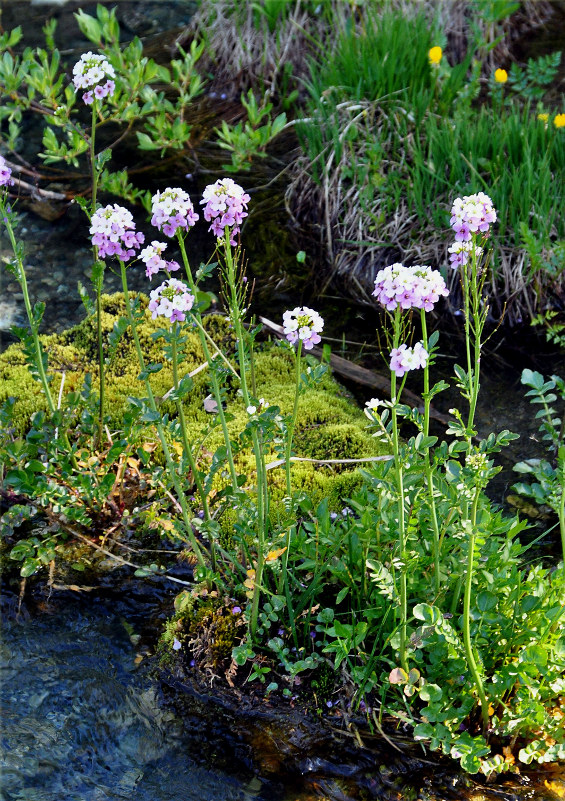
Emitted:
pixel 172 209
pixel 303 324
pixel 225 205
pixel 403 358
pixel 152 257
pixel 172 299
pixel 470 215
pixel 417 287
pixel 94 73
pixel 5 173
pixel 460 252
pixel 113 233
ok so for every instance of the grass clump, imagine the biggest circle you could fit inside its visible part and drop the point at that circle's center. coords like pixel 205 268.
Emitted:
pixel 389 139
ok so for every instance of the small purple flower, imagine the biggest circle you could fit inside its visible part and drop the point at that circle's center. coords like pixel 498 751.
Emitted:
pixel 94 73
pixel 176 645
pixel 403 358
pixel 236 610
pixel 303 324
pixel 417 287
pixel 172 209
pixel 5 175
pixel 172 299
pixel 113 233
pixel 472 214
pixel 460 252
pixel 333 515
pixel 225 206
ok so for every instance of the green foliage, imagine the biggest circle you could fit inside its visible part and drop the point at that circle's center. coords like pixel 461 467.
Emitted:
pixel 532 81
pixel 406 137
pixel 153 101
pixel 250 139
pixel 547 478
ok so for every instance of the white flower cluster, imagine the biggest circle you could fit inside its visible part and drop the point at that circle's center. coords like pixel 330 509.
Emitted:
pixel 94 73
pixel 172 208
pixel 152 257
pixel 303 324
pixel 172 299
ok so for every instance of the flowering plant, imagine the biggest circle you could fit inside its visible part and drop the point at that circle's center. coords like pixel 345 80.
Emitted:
pixel 94 73
pixel 417 287
pixel 403 358
pixel 304 325
pixel 5 173
pixel 225 206
pixel 171 299
pixel 153 259
pixel 172 209
pixel 460 251
pixel 472 214
pixel 113 232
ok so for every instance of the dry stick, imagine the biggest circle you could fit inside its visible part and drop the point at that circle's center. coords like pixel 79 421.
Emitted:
pixel 119 558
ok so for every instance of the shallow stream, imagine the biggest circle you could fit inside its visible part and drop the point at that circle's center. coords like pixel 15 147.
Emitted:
pixel 82 720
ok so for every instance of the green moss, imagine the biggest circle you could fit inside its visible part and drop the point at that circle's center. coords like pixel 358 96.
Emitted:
pixel 329 424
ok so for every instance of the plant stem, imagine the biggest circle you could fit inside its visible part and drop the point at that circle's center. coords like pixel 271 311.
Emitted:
pixel 262 487
pixel 171 467
pixel 477 331
pixel 400 485
pixel 292 421
pixel 427 464
pixel 561 509
pixel 471 661
pixel 208 357
pixel 32 324
pixel 34 327
pixel 187 448
pixel 99 283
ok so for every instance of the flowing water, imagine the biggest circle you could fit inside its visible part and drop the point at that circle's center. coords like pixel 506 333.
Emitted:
pixel 82 720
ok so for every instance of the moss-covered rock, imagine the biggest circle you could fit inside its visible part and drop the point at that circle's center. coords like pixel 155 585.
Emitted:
pixel 329 424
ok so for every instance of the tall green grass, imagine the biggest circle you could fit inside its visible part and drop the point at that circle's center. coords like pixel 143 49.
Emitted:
pixel 509 153
pixel 410 136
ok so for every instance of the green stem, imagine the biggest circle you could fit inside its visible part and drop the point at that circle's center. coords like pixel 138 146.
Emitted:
pixel 561 512
pixel 171 467
pixel 427 464
pixel 292 421
pixel 401 519
pixel 34 332
pixel 471 661
pixel 208 357
pixel 477 331
pixel 262 487
pixel 99 283
pixel 187 447
pixel 21 275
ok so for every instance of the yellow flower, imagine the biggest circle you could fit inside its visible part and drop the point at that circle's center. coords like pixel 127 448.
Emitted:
pixel 435 55
pixel 559 121
pixel 501 76
pixel 543 117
